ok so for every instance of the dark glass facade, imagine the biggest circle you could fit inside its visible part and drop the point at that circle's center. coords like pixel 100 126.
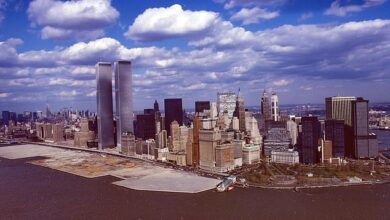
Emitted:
pixel 334 131
pixel 311 129
pixel 173 112
pixel 202 105
pixel 145 127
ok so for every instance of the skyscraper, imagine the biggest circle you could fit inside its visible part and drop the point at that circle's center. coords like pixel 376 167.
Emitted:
pixel 145 127
pixel 123 99
pixel 226 103
pixel 275 107
pixel 104 105
pixel 340 108
pixel 157 117
pixel 213 110
pixel 195 143
pixel 239 112
pixel 265 110
pixel 365 144
pixel 334 131
pixel 173 112
pixel 156 106
pixel 208 141
pixel 6 116
pixel 311 129
pixel 202 105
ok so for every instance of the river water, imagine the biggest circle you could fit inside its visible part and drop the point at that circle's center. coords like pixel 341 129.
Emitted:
pixel 34 192
pixel 383 138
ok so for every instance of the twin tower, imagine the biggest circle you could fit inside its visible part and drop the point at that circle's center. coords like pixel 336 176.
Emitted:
pixel 123 102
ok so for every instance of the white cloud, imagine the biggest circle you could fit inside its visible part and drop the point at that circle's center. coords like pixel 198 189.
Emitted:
pixel 92 94
pixel 254 15
pixel 228 4
pixel 338 10
pixel 282 82
pixel 228 57
pixel 163 23
pixel 8 54
pixel 92 52
pixel 305 16
pixel 85 19
pixel 71 82
pixel 4 95
pixel 68 93
pixel 306 88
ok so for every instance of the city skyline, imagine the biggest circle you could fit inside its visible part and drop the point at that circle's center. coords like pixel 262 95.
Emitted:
pixel 304 52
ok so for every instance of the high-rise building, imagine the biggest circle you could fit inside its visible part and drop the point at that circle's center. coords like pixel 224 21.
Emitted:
pixel 162 139
pixel 173 112
pixel 175 136
pixel 145 127
pixel 123 99
pixel 250 154
pixel 157 117
pixel 213 110
pixel 292 127
pixel 365 144
pixel 82 137
pixel 226 104
pixel 311 129
pixel 277 139
pixel 265 109
pixel 354 112
pixel 239 112
pixel 48 112
pixel 224 157
pixel 189 145
pixel 275 107
pixel 340 108
pixel 156 106
pixel 334 132
pixel 104 105
pixel 6 117
pixel 195 143
pixel 252 129
pixel 326 150
pixel 200 106
pixel 128 144
pixel 208 141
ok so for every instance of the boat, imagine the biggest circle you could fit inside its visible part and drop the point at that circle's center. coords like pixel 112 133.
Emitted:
pixel 226 184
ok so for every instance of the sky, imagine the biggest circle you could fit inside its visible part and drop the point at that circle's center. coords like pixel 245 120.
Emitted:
pixel 303 50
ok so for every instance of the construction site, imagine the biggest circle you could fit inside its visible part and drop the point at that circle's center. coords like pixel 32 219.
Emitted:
pixel 134 173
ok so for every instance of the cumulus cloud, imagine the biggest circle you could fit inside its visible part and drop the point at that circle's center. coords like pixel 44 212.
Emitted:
pixel 9 55
pixel 254 15
pixel 228 4
pixel 228 57
pixel 163 23
pixel 4 95
pixel 282 82
pixel 83 19
pixel 337 9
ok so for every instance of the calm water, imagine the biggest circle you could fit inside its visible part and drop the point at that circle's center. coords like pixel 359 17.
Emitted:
pixel 383 138
pixel 34 192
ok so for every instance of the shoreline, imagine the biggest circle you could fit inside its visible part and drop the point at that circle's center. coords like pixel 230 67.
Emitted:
pixel 218 176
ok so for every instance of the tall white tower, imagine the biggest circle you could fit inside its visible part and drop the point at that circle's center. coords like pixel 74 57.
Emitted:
pixel 275 107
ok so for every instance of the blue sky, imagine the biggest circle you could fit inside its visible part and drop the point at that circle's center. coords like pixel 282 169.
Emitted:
pixel 304 50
